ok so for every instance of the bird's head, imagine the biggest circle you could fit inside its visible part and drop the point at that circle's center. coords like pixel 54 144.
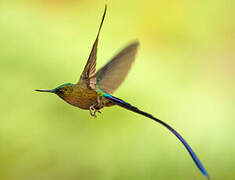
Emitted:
pixel 63 91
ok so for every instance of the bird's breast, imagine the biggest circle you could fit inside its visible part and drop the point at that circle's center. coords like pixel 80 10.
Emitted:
pixel 83 97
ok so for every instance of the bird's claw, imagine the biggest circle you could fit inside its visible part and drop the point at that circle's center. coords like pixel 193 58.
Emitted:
pixel 93 111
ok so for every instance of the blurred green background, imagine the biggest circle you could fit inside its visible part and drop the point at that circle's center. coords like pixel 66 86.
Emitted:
pixel 184 74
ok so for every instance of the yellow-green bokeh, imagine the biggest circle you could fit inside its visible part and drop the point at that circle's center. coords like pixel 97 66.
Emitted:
pixel 184 74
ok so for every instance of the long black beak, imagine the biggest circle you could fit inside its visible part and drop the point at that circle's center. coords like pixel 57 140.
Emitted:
pixel 42 90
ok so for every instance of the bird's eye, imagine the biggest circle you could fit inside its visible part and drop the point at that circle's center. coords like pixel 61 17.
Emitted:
pixel 59 91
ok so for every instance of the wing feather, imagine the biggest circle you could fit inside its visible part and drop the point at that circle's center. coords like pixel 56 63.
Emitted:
pixel 110 77
pixel 88 73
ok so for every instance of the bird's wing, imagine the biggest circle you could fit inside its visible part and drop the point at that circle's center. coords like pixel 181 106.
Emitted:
pixel 88 73
pixel 110 77
pixel 135 109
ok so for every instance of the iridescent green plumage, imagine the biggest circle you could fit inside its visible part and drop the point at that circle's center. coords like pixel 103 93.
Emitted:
pixel 93 90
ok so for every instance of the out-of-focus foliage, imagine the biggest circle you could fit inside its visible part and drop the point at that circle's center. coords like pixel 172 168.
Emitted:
pixel 184 74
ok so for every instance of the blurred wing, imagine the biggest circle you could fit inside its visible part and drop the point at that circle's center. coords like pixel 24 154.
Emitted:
pixel 88 73
pixel 110 77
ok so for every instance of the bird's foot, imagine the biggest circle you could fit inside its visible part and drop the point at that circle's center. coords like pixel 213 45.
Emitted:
pixel 93 111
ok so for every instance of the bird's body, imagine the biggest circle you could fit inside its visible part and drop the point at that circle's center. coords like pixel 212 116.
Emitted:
pixel 83 97
pixel 93 90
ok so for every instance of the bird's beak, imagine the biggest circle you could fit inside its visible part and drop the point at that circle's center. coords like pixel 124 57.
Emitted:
pixel 42 90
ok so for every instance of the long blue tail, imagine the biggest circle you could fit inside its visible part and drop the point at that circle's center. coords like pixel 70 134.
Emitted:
pixel 135 109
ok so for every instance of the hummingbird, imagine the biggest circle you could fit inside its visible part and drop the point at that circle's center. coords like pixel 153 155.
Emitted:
pixel 94 90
